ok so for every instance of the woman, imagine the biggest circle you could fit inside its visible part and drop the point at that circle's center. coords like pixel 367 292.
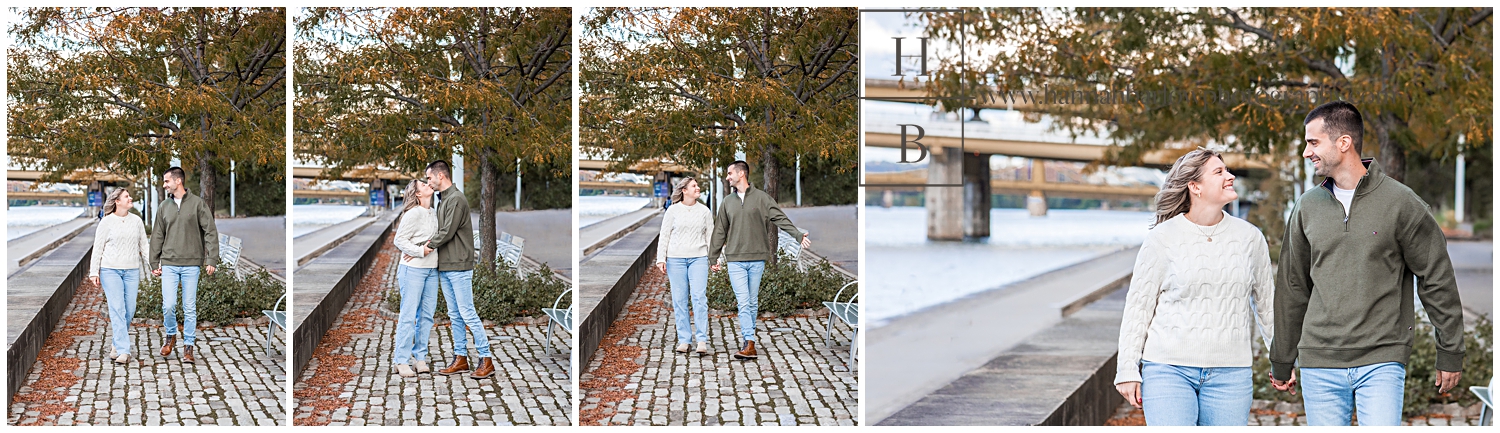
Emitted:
pixel 121 249
pixel 682 252
pixel 418 279
pixel 1201 280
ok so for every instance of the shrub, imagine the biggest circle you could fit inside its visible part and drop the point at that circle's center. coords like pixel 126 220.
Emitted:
pixel 1421 371
pixel 783 288
pixel 502 293
pixel 222 297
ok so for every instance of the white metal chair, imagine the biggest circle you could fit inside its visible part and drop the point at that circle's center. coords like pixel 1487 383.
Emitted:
pixel 277 314
pixel 846 311
pixel 559 316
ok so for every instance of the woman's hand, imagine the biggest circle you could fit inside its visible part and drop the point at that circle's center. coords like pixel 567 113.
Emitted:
pixel 94 279
pixel 662 266
pixel 1131 391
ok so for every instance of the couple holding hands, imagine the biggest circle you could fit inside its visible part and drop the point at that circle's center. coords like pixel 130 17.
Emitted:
pixel 1337 312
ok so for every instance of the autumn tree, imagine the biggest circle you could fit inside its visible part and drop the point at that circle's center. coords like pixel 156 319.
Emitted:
pixel 123 90
pixel 695 84
pixel 405 86
pixel 1242 77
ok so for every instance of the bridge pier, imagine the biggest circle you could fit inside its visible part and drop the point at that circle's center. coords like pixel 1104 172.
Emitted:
pixel 1036 202
pixel 955 214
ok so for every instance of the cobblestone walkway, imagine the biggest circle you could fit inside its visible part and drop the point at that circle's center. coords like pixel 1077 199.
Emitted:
pixel 1268 413
pixel 350 380
pixel 636 378
pixel 73 382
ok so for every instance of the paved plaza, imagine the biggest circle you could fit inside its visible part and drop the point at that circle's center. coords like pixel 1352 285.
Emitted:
pixel 73 382
pixel 635 377
pixel 1269 413
pixel 351 380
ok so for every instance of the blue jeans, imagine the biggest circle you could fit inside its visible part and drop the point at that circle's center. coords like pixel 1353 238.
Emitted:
pixel 744 278
pixel 689 277
pixel 419 289
pixel 120 289
pixel 1177 395
pixel 187 277
pixel 1376 391
pixel 458 290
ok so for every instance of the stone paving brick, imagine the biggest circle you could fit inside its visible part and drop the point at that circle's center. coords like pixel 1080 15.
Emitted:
pixel 74 382
pixel 351 379
pixel 1267 413
pixel 637 379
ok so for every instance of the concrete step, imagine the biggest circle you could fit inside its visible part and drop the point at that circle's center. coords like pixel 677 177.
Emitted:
pixel 25 249
pixel 600 234
pixel 35 299
pixel 311 245
pixel 613 273
pixel 917 354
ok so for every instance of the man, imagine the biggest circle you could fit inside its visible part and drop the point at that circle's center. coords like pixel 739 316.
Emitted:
pixel 183 238
pixel 740 234
pixel 455 248
pixel 1344 310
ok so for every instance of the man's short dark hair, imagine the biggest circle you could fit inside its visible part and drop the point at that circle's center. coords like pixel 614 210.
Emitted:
pixel 440 167
pixel 1340 118
pixel 743 166
pixel 176 173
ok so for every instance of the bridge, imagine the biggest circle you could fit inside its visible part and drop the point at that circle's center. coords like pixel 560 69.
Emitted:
pixel 962 209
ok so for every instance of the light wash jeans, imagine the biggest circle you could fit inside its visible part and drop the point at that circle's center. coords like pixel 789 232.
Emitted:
pixel 120 289
pixel 187 277
pixel 1177 395
pixel 744 278
pixel 1375 391
pixel 689 277
pixel 458 290
pixel 419 289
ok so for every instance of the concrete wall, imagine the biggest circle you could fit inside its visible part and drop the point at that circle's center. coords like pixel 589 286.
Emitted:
pixel 325 284
pixel 36 299
pixel 610 279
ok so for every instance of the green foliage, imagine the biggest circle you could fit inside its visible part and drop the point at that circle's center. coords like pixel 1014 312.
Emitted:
pixel 825 181
pixel 502 293
pixel 783 288
pixel 1244 77
pixel 222 296
pixel 1479 356
pixel 696 84
pixel 122 90
pixel 548 186
pixel 259 191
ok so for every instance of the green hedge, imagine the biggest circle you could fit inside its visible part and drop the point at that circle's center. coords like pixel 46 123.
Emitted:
pixel 222 296
pixel 782 287
pixel 1420 372
pixel 502 293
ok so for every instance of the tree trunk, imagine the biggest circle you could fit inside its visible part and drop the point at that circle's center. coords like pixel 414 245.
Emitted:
pixel 1392 156
pixel 206 177
pixel 488 180
pixel 769 174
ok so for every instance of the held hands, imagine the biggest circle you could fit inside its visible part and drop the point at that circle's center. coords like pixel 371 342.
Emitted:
pixel 156 272
pixel 1131 391
pixel 716 267
pixel 1446 380
pixel 1289 386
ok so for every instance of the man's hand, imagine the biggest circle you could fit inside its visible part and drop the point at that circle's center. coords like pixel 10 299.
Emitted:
pixel 156 272
pixel 210 269
pixel 1288 386
pixel 1131 391
pixel 426 250
pixel 1446 380
pixel 716 267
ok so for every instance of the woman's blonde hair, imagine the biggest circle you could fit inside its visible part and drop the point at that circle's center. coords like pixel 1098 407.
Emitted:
pixel 109 203
pixel 682 183
pixel 410 197
pixel 1173 199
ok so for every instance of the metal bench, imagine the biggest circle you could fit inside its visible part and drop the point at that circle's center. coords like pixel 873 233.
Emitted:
pixel 508 247
pixel 277 314
pixel 559 316
pixel 1487 412
pixel 793 247
pixel 848 312
pixel 229 252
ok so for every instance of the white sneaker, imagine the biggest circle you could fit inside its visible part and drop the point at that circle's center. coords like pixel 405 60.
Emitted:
pixel 682 348
pixel 405 370
pixel 123 358
pixel 702 348
pixel 422 367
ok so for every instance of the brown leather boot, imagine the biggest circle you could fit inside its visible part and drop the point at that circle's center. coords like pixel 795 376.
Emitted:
pixel 187 354
pixel 459 365
pixel 486 369
pixel 748 353
pixel 166 346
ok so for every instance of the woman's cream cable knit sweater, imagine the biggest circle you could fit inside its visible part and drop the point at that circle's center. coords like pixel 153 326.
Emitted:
pixel 685 231
pixel 120 242
pixel 1190 300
